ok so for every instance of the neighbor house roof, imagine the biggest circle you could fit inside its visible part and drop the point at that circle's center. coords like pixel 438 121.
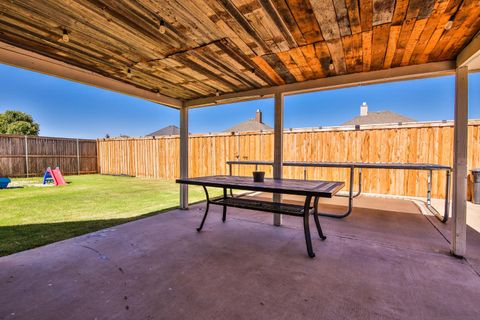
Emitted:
pixel 255 124
pixel 249 125
pixel 167 131
pixel 375 117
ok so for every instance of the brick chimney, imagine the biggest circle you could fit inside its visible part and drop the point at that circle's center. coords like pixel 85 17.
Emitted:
pixel 258 116
pixel 364 109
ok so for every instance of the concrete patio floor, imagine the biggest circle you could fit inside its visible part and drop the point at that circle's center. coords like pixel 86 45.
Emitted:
pixel 385 261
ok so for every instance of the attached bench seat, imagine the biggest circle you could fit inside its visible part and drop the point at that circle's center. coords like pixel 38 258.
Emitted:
pixel 254 204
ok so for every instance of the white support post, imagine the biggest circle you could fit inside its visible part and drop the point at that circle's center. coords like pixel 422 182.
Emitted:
pixel 278 150
pixel 459 200
pixel 183 156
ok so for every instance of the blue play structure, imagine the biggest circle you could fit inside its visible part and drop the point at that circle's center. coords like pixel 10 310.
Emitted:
pixel 47 177
pixel 4 183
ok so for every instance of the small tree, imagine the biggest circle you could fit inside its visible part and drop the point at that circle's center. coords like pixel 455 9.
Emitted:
pixel 16 122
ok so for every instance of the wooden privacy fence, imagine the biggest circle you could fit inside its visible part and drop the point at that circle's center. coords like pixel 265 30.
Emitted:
pixel 24 156
pixel 419 143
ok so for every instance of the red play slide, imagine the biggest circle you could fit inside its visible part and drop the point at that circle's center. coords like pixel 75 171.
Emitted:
pixel 57 176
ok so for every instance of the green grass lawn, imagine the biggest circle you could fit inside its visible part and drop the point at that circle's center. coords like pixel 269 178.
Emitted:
pixel 32 216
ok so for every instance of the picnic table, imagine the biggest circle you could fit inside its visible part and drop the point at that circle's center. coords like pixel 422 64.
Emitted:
pixel 311 189
pixel 352 166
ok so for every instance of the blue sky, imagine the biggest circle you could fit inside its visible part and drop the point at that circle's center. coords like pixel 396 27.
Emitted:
pixel 68 109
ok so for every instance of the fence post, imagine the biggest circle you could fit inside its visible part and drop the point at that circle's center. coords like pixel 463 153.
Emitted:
pixel 26 156
pixel 136 159
pixel 78 158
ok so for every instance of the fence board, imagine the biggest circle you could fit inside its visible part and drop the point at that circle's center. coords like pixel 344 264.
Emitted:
pixel 22 156
pixel 419 143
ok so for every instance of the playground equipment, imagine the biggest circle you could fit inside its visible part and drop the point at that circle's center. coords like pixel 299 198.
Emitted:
pixel 4 183
pixel 54 176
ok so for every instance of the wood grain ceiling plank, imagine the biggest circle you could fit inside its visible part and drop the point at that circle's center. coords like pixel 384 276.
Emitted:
pixel 18 25
pixel 428 30
pixel 274 61
pixel 303 13
pixel 367 50
pixel 203 68
pixel 223 29
pixel 392 45
pixel 403 38
pixel 231 67
pixel 380 38
pixel 290 64
pixel 267 69
pixel 288 18
pixel 352 46
pixel 335 47
pixel 382 11
pixel 231 28
pixel 439 30
pixel 118 21
pixel 266 29
pixel 230 14
pixel 214 64
pixel 342 17
pixel 323 54
pixel 312 60
pixel 401 7
pixel 324 11
pixel 246 63
pixel 77 28
pixel 302 63
pixel 468 15
pixel 354 16
pixel 195 15
pixel 279 23
pixel 413 41
pixel 420 9
pixel 366 15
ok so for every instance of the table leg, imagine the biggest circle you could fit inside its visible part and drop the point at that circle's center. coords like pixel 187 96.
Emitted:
pixel 306 226
pixel 350 199
pixel 206 210
pixel 317 221
pixel 230 173
pixel 224 216
pixel 443 218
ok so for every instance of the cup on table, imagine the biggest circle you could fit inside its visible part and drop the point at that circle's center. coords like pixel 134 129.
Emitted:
pixel 258 176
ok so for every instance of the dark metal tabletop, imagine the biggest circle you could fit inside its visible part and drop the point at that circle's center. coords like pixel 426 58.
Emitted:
pixel 288 186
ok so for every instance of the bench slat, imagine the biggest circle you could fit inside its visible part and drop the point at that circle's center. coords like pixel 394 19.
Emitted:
pixel 242 203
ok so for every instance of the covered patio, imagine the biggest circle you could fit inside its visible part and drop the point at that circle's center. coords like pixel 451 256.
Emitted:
pixel 386 260
pixel 389 263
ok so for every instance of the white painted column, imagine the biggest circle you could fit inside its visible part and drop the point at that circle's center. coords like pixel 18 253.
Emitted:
pixel 278 150
pixel 459 195
pixel 183 156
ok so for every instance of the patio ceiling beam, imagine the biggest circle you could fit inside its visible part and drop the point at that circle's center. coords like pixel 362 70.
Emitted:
pixel 25 59
pixel 470 55
pixel 427 70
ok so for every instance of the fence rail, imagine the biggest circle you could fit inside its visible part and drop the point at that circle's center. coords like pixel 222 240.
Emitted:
pixel 25 156
pixel 418 143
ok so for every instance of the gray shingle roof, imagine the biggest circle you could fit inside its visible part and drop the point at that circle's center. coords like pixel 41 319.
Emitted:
pixel 249 125
pixel 167 131
pixel 375 117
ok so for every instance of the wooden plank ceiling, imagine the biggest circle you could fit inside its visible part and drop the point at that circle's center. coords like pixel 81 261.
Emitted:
pixel 217 46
